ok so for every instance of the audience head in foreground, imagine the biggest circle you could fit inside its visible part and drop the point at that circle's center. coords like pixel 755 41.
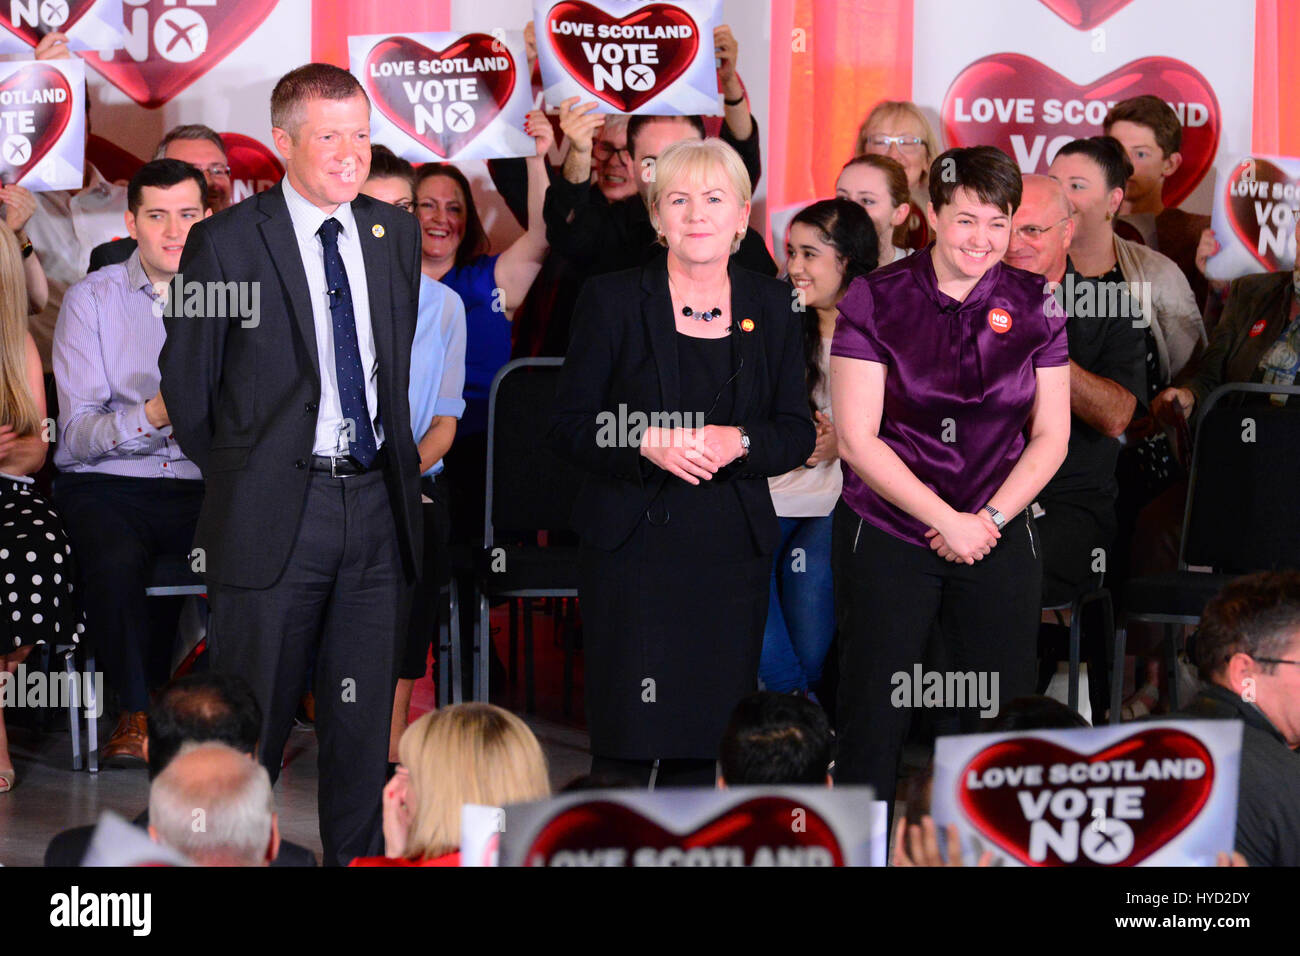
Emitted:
pixel 776 739
pixel 214 805
pixel 1248 643
pixel 202 708
pixel 467 753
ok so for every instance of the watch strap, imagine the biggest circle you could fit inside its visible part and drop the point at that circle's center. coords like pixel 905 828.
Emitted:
pixel 998 518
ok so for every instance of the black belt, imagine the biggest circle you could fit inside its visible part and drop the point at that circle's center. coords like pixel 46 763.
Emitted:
pixel 345 466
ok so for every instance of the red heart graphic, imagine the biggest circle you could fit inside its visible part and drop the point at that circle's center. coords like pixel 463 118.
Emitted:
pixel 1248 194
pixel 197 39
pixel 74 10
pixel 763 822
pixel 253 167
pixel 1085 14
pixel 451 108
pixel 981 107
pixel 1168 806
pixel 50 119
pixel 674 53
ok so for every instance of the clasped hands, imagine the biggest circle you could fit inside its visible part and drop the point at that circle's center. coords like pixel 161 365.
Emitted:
pixel 692 453
pixel 964 537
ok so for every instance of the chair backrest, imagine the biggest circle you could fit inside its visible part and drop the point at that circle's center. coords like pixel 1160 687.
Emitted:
pixel 529 487
pixel 1242 514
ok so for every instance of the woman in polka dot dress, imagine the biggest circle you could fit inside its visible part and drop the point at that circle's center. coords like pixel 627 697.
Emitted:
pixel 36 603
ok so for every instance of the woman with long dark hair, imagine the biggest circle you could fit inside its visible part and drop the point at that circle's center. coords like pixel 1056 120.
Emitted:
pixel 829 244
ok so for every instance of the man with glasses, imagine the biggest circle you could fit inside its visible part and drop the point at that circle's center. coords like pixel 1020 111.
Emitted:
pixel 1076 511
pixel 201 147
pixel 1247 650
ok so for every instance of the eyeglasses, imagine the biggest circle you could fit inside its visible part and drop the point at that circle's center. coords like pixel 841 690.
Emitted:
pixel 1034 233
pixel 405 204
pixel 604 151
pixel 215 171
pixel 906 144
pixel 1275 660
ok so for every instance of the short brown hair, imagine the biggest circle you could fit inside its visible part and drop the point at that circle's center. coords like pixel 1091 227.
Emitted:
pixel 315 81
pixel 1153 113
pixel 1258 614
pixel 986 171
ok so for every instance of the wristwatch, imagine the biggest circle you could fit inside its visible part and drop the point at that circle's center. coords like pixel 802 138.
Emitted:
pixel 26 247
pixel 998 519
pixel 744 440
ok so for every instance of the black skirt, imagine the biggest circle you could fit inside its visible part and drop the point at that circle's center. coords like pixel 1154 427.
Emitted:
pixel 673 619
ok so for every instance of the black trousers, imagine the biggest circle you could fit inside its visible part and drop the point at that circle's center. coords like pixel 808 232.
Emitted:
pixel 118 527
pixel 889 593
pixel 339 607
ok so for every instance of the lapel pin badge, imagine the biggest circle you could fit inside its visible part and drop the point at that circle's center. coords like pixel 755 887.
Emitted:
pixel 747 325
pixel 377 231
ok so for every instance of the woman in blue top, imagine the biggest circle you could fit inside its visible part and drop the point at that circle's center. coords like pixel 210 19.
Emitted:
pixel 456 252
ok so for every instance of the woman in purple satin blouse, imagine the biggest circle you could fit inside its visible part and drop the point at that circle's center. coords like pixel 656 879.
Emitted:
pixel 950 387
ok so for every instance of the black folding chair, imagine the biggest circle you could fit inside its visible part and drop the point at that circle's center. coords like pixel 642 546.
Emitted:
pixel 1240 515
pixel 529 490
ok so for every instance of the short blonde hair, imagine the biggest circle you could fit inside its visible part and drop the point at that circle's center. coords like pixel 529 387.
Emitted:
pixel 466 753
pixel 697 160
pixel 887 110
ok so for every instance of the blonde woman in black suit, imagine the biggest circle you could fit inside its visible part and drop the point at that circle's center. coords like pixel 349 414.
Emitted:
pixel 681 393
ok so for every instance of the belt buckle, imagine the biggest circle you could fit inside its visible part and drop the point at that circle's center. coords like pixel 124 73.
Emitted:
pixel 334 461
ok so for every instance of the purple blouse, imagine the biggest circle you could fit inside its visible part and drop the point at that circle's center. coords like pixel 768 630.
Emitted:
pixel 960 382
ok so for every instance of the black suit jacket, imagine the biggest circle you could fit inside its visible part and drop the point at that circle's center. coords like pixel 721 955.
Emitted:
pixel 624 353
pixel 111 253
pixel 243 400
pixel 69 847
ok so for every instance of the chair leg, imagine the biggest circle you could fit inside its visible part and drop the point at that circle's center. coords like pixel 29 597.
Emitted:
pixel 444 656
pixel 513 604
pixel 453 606
pixel 1118 638
pixel 92 706
pixel 482 650
pixel 566 622
pixel 1171 664
pixel 530 702
pixel 1076 627
pixel 74 722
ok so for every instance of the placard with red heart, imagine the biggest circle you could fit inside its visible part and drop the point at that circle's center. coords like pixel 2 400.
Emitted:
pixel 1256 207
pixel 168 47
pixel 88 24
pixel 1104 796
pixel 1085 14
pixel 42 124
pixel 1029 110
pixel 446 96
pixel 748 826
pixel 628 56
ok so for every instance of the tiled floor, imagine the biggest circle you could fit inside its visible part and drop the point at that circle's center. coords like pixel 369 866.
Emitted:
pixel 50 797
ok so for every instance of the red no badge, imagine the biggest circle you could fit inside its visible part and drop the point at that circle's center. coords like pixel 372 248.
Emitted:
pixel 999 320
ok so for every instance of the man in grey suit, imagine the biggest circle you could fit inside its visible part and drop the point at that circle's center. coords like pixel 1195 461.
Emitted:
pixel 285 376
